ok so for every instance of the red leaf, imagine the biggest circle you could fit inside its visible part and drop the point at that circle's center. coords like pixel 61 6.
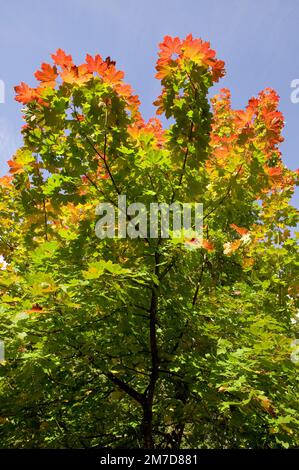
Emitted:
pixel 207 245
pixel 60 58
pixel 240 230
pixel 25 94
pixel 112 75
pixel 95 64
pixel 169 46
pixel 47 75
pixel 14 167
pixel 274 172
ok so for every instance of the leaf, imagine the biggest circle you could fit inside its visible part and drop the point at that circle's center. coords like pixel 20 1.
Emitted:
pixel 76 75
pixel 15 167
pixel 97 269
pixel 207 336
pixel 95 64
pixel 25 94
pixel 208 245
pixel 44 251
pixel 239 230
pixel 47 75
pixel 54 182
pixel 5 181
pixel 231 247
pixel 112 76
pixel 62 59
pixel 22 158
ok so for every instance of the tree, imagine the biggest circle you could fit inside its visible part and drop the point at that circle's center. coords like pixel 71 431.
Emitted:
pixel 144 342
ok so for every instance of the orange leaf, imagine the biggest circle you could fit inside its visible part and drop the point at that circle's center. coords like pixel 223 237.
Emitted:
pixel 231 247
pixel 60 58
pixel 5 181
pixel 197 50
pixel 47 75
pixel 112 75
pixel 247 262
pixel 25 94
pixel 96 64
pixel 124 90
pixel 243 118
pixel 241 231
pixel 169 46
pixel 274 172
pixel 15 167
pixel 76 75
pixel 207 245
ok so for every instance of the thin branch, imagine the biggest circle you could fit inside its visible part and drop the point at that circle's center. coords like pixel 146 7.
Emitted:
pixel 125 387
pixel 185 161
pixel 45 220
pixel 226 195
pixel 92 145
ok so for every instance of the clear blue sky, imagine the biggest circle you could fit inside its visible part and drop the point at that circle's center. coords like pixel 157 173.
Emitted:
pixel 258 40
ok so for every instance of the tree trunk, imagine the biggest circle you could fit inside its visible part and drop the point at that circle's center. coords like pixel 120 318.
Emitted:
pixel 147 426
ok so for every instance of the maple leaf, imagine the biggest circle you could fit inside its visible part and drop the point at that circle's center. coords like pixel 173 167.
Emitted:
pixel 25 94
pixel 164 69
pixel 239 230
pixel 244 118
pixel 15 167
pixel 96 64
pixel 159 102
pixel 208 245
pixel 113 76
pixel 231 247
pixel 247 262
pixel 124 90
pixel 273 120
pixel 47 75
pixel 274 172
pixel 21 158
pixel 76 75
pixel 5 181
pixel 197 50
pixel 170 46
pixel 218 70
pixel 62 59
pixel 133 104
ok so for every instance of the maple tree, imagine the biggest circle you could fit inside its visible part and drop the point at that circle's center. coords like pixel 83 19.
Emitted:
pixel 147 342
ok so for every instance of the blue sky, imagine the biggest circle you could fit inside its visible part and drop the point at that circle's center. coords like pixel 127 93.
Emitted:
pixel 258 40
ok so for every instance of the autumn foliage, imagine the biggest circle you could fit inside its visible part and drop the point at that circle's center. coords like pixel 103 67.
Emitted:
pixel 143 342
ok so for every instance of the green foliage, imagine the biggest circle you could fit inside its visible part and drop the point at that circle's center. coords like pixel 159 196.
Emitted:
pixel 146 342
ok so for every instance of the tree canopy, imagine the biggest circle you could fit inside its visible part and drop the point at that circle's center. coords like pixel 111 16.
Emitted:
pixel 165 343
